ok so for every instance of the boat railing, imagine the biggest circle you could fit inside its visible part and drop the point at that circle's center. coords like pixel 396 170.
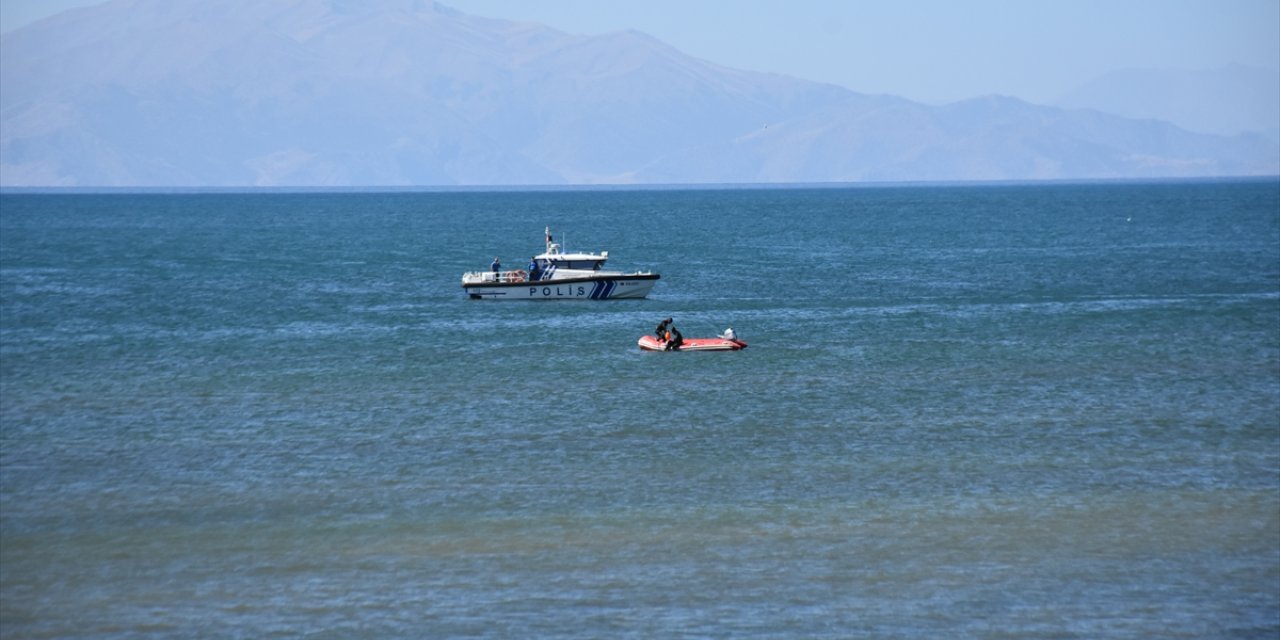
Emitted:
pixel 513 276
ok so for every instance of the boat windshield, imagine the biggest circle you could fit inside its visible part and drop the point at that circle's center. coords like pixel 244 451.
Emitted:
pixel 560 263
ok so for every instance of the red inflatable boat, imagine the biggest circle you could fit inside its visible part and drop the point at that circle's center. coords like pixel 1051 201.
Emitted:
pixel 650 343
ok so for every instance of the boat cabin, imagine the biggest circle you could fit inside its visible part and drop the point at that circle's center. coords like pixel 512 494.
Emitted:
pixel 555 259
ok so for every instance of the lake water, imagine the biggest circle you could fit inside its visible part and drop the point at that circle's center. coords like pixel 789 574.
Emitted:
pixel 1044 410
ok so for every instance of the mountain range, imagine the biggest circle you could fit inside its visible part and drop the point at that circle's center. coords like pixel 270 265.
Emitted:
pixel 1227 100
pixel 413 93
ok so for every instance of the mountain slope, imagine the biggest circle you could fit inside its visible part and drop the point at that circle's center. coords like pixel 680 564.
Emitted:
pixel 1225 101
pixel 409 92
pixel 993 138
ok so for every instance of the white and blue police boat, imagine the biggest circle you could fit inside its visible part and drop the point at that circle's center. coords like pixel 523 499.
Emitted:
pixel 559 275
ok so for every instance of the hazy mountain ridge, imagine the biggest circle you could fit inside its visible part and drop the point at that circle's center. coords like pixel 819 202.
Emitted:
pixel 992 138
pixel 407 92
pixel 1225 101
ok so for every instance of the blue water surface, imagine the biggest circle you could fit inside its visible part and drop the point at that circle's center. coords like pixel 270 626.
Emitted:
pixel 1042 410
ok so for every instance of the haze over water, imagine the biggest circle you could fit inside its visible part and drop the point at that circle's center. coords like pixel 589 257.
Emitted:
pixel 977 411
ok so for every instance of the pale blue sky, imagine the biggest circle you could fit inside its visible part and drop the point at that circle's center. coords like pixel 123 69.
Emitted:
pixel 926 50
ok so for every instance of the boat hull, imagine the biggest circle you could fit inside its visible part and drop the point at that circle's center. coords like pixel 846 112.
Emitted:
pixel 619 287
pixel 650 343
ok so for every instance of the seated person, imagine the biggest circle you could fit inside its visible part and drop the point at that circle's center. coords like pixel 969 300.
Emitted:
pixel 674 339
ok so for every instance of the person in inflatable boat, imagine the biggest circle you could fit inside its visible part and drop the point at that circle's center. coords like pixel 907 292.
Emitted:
pixel 674 339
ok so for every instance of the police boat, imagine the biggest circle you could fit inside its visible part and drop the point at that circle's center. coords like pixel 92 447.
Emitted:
pixel 557 274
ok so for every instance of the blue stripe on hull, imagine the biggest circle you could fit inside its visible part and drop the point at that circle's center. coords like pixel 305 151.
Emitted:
pixel 603 289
